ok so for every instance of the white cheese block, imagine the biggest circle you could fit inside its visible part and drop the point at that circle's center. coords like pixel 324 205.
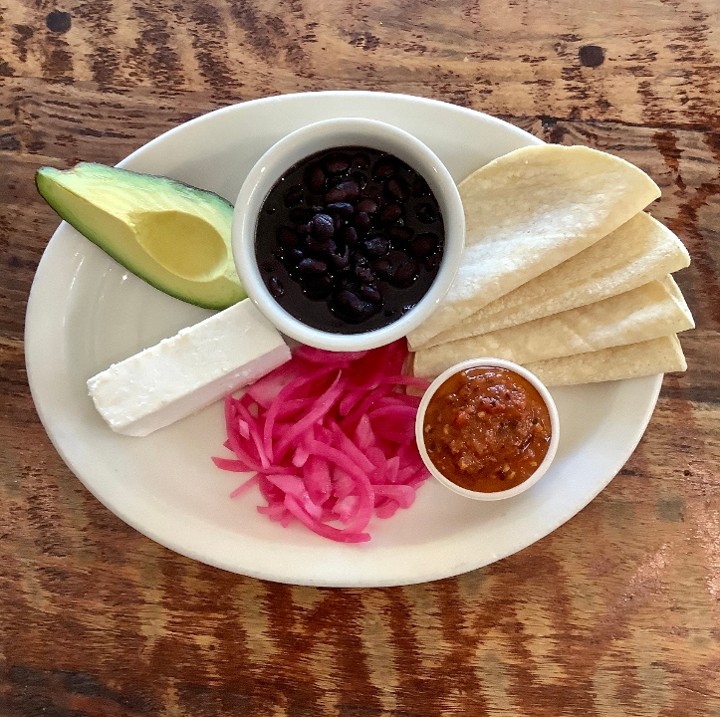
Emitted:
pixel 184 373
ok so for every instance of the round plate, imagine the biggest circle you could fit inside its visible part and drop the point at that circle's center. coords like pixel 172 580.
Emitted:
pixel 86 311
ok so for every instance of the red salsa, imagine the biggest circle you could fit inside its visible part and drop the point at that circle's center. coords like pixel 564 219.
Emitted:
pixel 487 429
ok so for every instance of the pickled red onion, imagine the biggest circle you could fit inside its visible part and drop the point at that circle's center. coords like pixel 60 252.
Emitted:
pixel 329 438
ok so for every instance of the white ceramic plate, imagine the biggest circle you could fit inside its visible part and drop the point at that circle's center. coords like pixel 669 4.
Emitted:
pixel 85 311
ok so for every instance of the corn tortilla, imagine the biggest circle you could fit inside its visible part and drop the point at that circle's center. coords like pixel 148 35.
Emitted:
pixel 650 311
pixel 527 212
pixel 640 251
pixel 661 355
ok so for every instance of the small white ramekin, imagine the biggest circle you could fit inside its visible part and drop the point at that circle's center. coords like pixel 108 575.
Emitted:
pixel 317 137
pixel 544 394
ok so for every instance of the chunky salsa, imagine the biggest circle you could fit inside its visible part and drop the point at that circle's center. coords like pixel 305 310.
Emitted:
pixel 487 429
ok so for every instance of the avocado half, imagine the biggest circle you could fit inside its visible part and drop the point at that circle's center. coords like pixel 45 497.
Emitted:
pixel 174 236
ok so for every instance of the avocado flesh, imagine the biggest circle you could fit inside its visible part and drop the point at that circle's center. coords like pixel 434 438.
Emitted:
pixel 174 236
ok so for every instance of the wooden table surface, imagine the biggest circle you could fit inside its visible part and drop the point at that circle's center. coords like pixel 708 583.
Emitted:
pixel 615 613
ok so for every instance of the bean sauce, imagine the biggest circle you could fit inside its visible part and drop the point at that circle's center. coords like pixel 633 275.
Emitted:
pixel 349 240
pixel 487 429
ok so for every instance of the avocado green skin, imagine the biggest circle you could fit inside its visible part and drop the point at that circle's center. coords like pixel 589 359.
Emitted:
pixel 121 193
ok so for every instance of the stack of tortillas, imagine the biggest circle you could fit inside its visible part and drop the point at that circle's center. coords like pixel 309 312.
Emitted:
pixel 563 271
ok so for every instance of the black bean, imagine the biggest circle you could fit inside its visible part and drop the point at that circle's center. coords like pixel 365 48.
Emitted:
pixel 363 221
pixel 397 188
pixel 340 259
pixel 385 167
pixel 360 178
pixel 315 178
pixel 292 257
pixel 405 274
pixel 312 266
pixel 360 160
pixel 351 190
pixel 371 293
pixel 343 192
pixel 382 268
pixel 275 287
pixel 351 307
pixel 316 286
pixel 400 234
pixel 341 209
pixel 319 245
pixel 423 245
pixel 367 205
pixel 337 163
pixel 403 270
pixel 335 195
pixel 390 213
pixel 426 213
pixel 397 268
pixel 376 245
pixel 373 190
pixel 363 271
pixel 322 226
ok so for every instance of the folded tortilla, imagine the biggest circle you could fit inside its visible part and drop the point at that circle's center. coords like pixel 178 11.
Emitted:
pixel 661 355
pixel 640 251
pixel 527 212
pixel 648 312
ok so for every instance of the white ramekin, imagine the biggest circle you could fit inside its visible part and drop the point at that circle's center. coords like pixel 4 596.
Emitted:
pixel 304 142
pixel 544 394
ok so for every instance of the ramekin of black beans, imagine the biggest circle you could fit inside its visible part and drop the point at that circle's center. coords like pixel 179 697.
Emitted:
pixel 347 233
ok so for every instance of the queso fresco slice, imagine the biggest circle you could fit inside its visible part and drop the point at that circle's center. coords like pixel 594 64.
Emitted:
pixel 188 371
pixel 174 236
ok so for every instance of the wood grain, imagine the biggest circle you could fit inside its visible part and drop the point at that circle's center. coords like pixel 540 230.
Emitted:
pixel 616 613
